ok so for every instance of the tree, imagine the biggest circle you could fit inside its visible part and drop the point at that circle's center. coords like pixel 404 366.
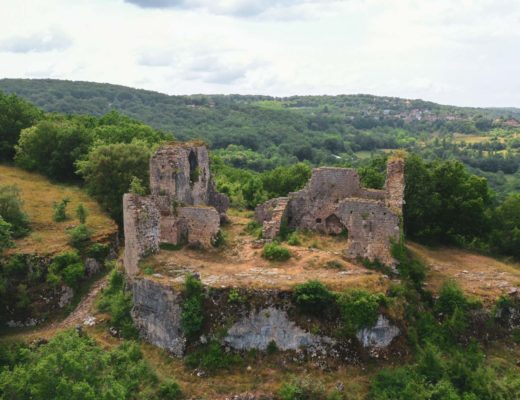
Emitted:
pixel 109 169
pixel 505 236
pixel 53 146
pixel 15 115
pixel 81 213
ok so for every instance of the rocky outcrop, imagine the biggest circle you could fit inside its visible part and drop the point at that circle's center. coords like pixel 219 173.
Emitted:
pixel 260 328
pixel 157 315
pixel 333 202
pixel 380 335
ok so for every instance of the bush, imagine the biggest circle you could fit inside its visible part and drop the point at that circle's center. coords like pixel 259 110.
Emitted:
pixel 294 239
pixel 136 186
pixel 313 297
pixel 192 316
pixel 275 252
pixel 60 210
pixel 254 229
pixel 73 366
pixel 234 297
pixel 302 389
pixel 81 213
pixel 98 251
pixel 219 240
pixel 66 268
pixel 359 309
pixel 11 210
pixel 5 234
pixel 211 358
pixel 80 236
pixel 118 304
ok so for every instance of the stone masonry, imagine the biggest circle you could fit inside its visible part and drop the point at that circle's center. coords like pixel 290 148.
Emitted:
pixel 334 202
pixel 183 208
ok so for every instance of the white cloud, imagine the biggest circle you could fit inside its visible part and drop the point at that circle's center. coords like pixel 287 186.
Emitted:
pixel 452 51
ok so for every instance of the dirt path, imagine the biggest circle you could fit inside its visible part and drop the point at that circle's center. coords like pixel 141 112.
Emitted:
pixel 77 317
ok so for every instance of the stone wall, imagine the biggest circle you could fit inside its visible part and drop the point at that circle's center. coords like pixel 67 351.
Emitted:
pixel 184 206
pixel 141 219
pixel 333 202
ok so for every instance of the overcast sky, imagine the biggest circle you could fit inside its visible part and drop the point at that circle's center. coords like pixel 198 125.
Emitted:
pixel 463 52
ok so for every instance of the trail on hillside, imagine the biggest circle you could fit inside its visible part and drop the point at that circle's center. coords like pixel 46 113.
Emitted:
pixel 77 317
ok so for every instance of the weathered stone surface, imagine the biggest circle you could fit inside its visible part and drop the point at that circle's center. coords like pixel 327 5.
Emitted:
pixel 184 206
pixel 141 224
pixel 202 225
pixel 92 266
pixel 157 315
pixel 380 335
pixel 271 324
pixel 333 201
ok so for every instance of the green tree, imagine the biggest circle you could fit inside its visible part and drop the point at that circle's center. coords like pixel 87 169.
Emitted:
pixel 82 213
pixel 109 169
pixel 15 114
pixel 53 147
pixel 505 236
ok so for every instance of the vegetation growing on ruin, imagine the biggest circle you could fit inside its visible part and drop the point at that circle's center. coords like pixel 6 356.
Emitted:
pixel 192 316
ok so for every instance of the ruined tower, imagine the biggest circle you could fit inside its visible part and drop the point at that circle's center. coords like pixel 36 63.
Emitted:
pixel 334 202
pixel 184 206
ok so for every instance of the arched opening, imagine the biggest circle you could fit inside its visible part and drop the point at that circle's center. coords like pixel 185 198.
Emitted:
pixel 334 226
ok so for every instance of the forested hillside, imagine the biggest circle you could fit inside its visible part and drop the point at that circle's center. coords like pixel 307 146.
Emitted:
pixel 262 132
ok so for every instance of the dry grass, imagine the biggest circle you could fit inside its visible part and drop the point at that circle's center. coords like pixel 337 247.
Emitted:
pixel 240 263
pixel 476 274
pixel 39 194
pixel 265 376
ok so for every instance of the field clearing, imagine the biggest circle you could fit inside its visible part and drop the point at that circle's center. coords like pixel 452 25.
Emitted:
pixel 39 194
pixel 476 274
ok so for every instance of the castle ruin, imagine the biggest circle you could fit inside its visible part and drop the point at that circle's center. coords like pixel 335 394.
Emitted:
pixel 183 207
pixel 333 202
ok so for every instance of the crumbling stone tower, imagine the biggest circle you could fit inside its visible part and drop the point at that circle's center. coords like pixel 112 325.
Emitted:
pixel 184 206
pixel 334 202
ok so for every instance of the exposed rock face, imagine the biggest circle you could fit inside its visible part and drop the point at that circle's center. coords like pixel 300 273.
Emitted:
pixel 183 207
pixel 157 315
pixel 271 324
pixel 333 201
pixel 380 335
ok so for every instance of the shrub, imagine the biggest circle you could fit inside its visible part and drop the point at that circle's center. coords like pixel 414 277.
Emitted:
pixel 60 210
pixel 66 268
pixel 80 236
pixel 219 240
pixel 192 315
pixel 359 309
pixel 302 389
pixel 136 186
pixel 169 390
pixel 118 304
pixel 81 213
pixel 254 229
pixel 98 251
pixel 11 210
pixel 5 234
pixel 234 297
pixel 272 347
pixel 211 358
pixel 294 239
pixel 274 252
pixel 313 297
pixel 73 366
pixel 171 246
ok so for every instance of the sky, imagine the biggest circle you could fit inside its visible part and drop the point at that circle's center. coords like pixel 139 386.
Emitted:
pixel 461 52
